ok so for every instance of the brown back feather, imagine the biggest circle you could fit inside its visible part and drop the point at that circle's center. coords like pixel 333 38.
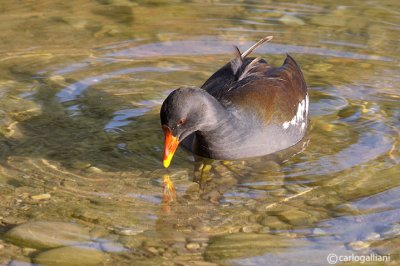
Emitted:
pixel 271 93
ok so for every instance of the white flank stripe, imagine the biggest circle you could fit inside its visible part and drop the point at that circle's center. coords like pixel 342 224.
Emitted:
pixel 301 114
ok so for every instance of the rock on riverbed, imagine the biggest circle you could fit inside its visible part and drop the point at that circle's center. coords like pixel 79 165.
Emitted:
pixel 71 256
pixel 44 235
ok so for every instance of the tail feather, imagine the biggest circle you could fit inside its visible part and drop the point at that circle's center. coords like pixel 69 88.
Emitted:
pixel 237 62
pixel 251 49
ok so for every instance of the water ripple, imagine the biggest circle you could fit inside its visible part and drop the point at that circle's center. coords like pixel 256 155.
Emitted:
pixel 211 46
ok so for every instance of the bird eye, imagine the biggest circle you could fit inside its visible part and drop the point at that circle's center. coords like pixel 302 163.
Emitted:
pixel 181 122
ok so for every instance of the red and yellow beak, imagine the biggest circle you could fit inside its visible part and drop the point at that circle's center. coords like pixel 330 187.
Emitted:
pixel 170 145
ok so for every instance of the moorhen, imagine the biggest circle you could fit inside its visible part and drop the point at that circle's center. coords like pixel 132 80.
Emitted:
pixel 245 109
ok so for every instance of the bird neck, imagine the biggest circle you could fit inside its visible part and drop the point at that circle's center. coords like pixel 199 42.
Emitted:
pixel 212 113
pixel 224 126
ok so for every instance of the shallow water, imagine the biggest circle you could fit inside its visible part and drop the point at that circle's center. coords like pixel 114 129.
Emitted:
pixel 81 85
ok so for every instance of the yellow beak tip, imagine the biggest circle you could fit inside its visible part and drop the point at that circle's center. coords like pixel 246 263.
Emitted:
pixel 166 163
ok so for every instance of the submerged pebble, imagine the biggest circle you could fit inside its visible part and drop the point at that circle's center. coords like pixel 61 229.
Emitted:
pixel 318 232
pixel 192 246
pixel 42 235
pixel 244 245
pixel 372 236
pixel 203 228
pixel 152 250
pixel 69 183
pixel 94 169
pixel 71 256
pixel 41 196
pixel 80 165
pixel 128 231
pixel 274 223
pixel 12 220
pixel 291 20
pixel 265 230
pixel 358 245
pixel 250 228
pixel 296 217
pixel 28 251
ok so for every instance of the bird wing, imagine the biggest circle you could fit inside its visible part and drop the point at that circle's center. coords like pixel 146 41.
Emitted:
pixel 222 80
pixel 273 93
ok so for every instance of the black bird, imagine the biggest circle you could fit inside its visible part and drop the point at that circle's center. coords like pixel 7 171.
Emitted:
pixel 245 109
